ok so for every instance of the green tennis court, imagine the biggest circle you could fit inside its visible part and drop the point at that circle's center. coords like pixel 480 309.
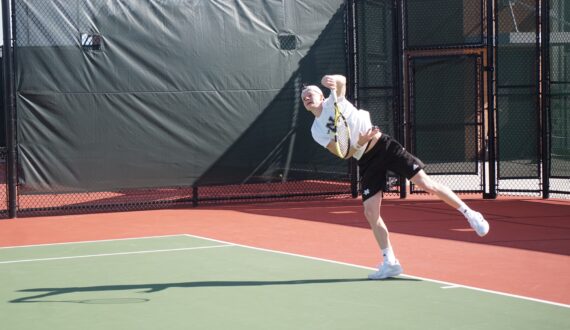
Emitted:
pixel 188 282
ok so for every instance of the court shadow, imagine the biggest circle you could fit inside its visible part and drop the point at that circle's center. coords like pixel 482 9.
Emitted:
pixel 526 224
pixel 44 294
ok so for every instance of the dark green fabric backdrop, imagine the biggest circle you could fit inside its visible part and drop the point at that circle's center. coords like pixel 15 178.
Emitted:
pixel 178 93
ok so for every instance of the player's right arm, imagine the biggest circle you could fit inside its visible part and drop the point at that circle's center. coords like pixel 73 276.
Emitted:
pixel 335 82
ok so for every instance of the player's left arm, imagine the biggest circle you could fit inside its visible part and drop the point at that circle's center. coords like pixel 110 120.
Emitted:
pixel 332 148
pixel 363 139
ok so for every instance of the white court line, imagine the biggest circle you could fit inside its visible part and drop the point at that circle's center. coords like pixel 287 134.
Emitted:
pixel 114 254
pixel 490 291
pixel 448 284
pixel 450 287
pixel 96 241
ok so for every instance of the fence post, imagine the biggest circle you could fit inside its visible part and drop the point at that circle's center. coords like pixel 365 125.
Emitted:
pixel 491 154
pixel 351 33
pixel 545 95
pixel 399 115
pixel 9 108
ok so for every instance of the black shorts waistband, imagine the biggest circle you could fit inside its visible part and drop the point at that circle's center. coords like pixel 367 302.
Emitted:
pixel 381 143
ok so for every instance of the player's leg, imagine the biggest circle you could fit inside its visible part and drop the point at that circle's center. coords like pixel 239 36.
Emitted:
pixel 372 214
pixel 425 182
pixel 409 166
pixel 476 220
pixel 390 266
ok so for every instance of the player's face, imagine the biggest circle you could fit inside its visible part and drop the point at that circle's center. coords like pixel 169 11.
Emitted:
pixel 312 100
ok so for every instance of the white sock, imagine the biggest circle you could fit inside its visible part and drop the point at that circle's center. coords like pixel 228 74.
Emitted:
pixel 389 256
pixel 463 208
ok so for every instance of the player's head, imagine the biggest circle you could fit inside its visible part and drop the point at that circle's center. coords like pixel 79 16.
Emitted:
pixel 312 97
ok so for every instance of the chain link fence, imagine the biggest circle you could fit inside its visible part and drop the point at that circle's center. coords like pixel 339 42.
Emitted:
pixel 375 83
pixel 559 55
pixel 275 160
pixel 433 74
pixel 3 185
pixel 443 24
pixel 444 49
pixel 518 113
pixel 447 131
pixel 478 96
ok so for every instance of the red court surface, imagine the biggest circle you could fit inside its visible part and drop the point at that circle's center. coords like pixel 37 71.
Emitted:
pixel 526 253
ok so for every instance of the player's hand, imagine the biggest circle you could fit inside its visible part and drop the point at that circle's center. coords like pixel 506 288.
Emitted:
pixel 364 138
pixel 329 81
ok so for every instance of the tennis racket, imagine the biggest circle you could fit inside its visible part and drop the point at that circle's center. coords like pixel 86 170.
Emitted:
pixel 341 130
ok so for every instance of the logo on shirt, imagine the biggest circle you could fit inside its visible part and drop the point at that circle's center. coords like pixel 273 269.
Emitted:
pixel 330 125
pixel 366 192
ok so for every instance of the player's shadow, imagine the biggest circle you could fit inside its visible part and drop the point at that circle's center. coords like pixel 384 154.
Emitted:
pixel 44 293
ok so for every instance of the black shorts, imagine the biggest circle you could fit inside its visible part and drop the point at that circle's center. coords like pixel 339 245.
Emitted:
pixel 386 155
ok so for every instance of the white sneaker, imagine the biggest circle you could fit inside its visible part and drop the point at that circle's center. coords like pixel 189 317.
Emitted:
pixel 477 222
pixel 386 270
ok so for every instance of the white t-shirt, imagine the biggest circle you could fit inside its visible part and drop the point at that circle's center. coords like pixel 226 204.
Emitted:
pixel 358 122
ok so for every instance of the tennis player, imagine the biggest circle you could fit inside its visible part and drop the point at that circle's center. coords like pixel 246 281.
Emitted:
pixel 376 153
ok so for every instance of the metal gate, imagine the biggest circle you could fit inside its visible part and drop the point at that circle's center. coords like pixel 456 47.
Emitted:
pixel 479 89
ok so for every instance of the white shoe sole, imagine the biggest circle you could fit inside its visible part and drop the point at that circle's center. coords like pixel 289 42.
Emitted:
pixel 391 273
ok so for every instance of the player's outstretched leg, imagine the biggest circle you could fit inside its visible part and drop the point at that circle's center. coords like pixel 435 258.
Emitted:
pixel 475 219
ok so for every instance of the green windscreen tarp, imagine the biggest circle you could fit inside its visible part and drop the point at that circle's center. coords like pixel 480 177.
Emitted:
pixel 118 94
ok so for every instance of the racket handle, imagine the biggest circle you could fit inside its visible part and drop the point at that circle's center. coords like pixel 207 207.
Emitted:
pixel 333 94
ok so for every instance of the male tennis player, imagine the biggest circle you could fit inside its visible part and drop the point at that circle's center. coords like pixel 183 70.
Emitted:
pixel 376 153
